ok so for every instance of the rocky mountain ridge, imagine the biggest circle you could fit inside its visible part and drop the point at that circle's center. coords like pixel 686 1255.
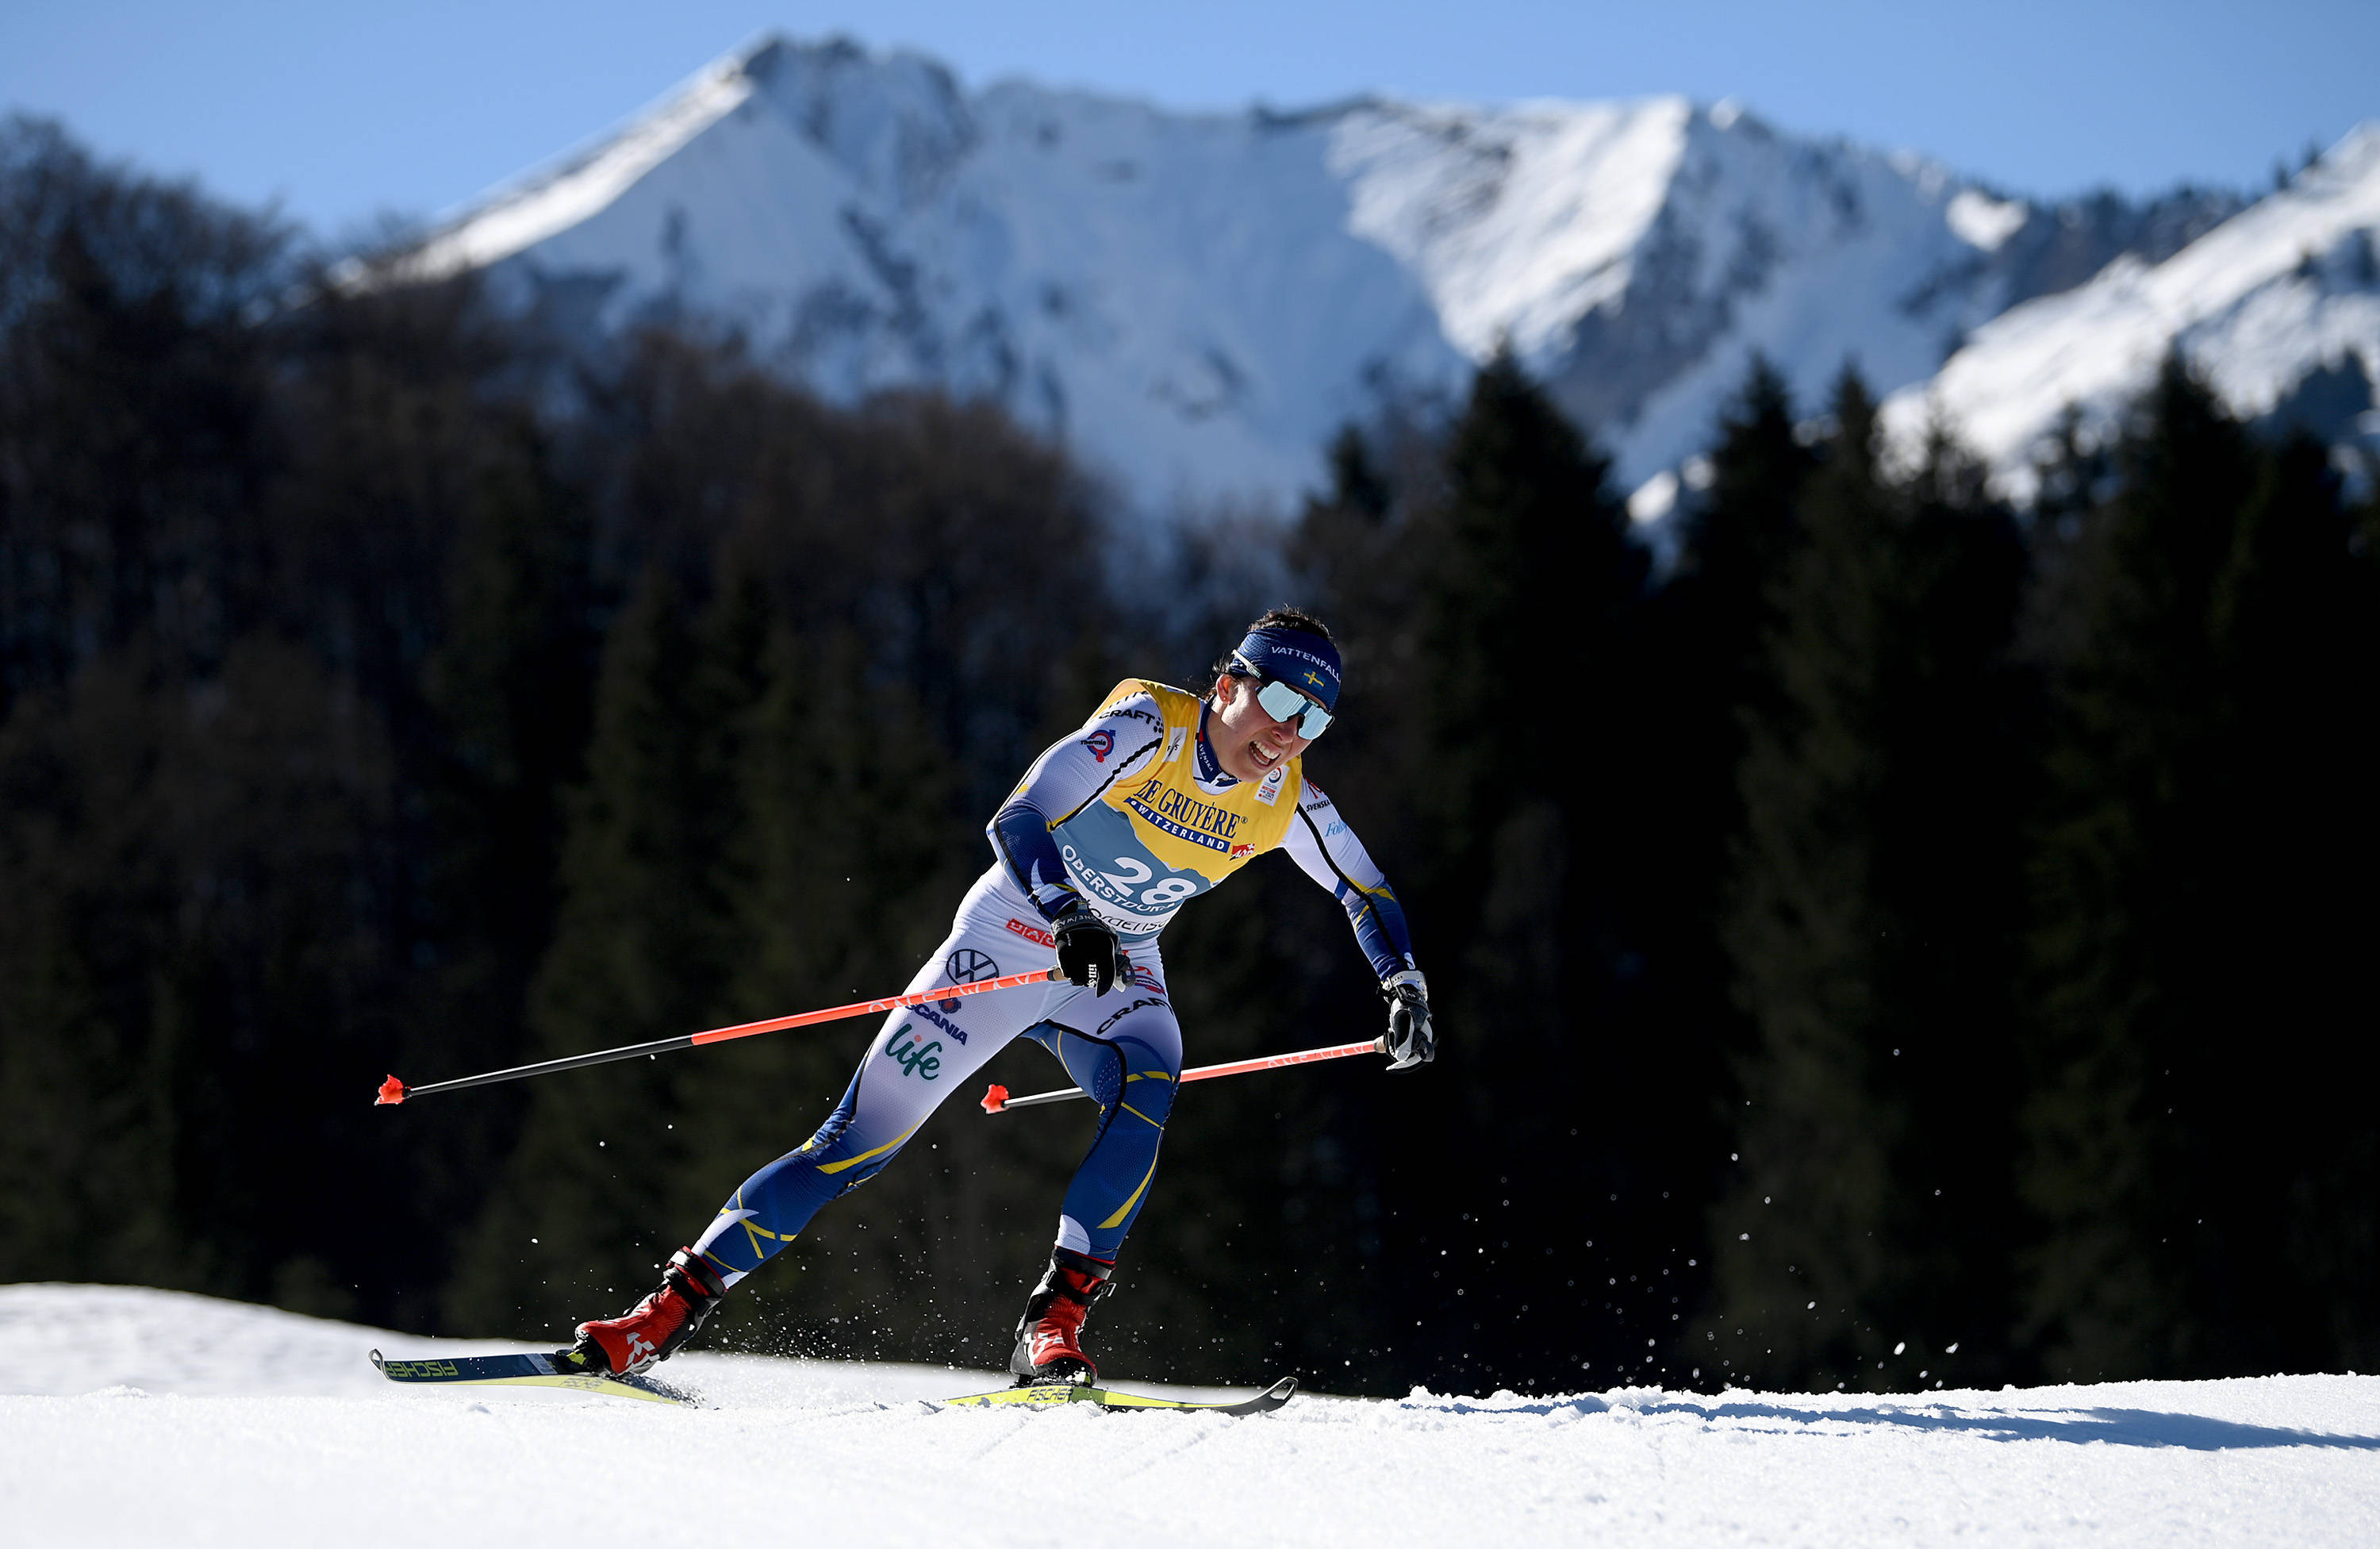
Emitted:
pixel 1194 303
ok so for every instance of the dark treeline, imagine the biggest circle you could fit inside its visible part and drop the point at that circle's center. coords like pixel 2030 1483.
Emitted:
pixel 1897 939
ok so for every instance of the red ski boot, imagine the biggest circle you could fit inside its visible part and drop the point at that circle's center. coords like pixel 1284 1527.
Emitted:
pixel 1050 1335
pixel 655 1327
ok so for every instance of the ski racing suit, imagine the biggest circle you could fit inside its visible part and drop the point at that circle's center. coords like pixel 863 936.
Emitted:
pixel 1130 817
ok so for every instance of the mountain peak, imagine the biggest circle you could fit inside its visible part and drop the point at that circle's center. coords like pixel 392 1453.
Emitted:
pixel 1193 303
pixel 897 122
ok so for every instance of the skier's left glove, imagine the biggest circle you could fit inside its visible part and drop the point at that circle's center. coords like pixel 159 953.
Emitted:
pixel 1412 1039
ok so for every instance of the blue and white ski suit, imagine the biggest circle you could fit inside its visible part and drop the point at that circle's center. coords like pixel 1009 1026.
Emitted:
pixel 1130 817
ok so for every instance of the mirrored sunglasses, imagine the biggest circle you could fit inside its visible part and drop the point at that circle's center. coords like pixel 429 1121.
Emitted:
pixel 1281 702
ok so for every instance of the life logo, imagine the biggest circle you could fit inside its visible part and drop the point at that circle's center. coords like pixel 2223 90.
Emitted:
pixel 917 1057
pixel 1101 743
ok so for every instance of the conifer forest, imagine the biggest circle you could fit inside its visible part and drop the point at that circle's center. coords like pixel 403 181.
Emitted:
pixel 1879 937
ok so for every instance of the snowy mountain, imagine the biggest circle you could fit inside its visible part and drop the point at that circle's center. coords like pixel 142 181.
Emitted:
pixel 2278 307
pixel 1195 302
pixel 139 1417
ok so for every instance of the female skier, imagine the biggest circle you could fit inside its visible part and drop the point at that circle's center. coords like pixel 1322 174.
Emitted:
pixel 1161 795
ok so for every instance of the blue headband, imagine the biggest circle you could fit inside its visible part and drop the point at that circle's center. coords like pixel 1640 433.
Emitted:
pixel 1296 657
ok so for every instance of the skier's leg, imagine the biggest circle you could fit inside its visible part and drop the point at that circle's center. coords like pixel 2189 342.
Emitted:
pixel 918 1057
pixel 1129 1062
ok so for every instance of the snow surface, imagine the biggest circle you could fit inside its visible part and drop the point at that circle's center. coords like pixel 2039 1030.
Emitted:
pixel 1195 302
pixel 1986 222
pixel 2291 284
pixel 141 1417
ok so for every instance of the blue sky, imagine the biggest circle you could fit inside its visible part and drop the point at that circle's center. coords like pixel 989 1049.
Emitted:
pixel 344 111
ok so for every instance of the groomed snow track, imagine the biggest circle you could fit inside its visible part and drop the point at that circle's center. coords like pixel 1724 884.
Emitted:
pixel 141 1417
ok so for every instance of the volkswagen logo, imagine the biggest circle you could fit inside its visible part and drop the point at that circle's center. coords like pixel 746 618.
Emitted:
pixel 966 965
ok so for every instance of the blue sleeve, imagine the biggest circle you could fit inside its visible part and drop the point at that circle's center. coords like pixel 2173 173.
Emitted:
pixel 1021 834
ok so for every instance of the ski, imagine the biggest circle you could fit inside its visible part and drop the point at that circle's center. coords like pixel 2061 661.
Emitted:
pixel 526 1371
pixel 1041 1395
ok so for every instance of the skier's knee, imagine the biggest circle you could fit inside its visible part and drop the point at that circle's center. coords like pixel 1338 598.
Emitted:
pixel 1148 1081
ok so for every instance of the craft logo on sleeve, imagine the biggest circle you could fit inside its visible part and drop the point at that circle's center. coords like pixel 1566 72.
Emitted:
pixel 1101 743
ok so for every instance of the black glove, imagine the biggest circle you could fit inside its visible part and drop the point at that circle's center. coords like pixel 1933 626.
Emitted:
pixel 1088 951
pixel 1412 1039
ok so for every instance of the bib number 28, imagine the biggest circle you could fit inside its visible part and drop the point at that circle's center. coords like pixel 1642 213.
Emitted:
pixel 1163 893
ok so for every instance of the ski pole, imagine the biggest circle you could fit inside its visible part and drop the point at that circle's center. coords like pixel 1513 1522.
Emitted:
pixel 393 1090
pixel 997 1100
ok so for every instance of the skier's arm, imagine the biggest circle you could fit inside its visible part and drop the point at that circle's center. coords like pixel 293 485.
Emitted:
pixel 1068 776
pixel 1327 849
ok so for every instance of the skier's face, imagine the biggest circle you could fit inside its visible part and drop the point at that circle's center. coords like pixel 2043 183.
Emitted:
pixel 1248 743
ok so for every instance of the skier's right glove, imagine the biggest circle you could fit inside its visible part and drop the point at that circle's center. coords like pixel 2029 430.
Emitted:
pixel 1088 951
pixel 1412 1039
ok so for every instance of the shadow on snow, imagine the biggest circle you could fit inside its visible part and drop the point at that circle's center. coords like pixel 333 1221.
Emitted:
pixel 2112 1426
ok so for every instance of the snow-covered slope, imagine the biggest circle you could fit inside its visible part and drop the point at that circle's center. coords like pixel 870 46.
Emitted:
pixel 1194 303
pixel 137 1417
pixel 2288 288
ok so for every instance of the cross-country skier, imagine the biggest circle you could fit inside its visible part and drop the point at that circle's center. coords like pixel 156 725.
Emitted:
pixel 1158 796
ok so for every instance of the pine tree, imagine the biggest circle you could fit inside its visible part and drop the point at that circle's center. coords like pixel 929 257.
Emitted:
pixel 1868 931
pixel 1737 538
pixel 136 412
pixel 86 1131
pixel 1813 1135
pixel 2118 876
pixel 1528 579
pixel 2296 629
pixel 1962 733
pixel 644 941
pixel 2204 1203
pixel 1699 668
pixel 1536 573
pixel 506 696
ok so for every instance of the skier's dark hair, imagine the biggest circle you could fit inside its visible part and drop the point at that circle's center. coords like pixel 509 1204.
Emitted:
pixel 1274 618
